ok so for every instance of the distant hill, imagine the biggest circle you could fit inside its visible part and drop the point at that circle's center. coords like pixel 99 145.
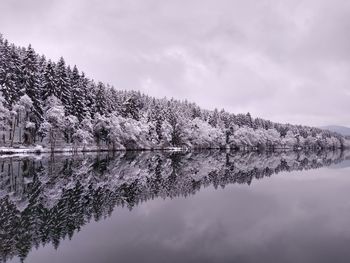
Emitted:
pixel 339 129
pixel 341 165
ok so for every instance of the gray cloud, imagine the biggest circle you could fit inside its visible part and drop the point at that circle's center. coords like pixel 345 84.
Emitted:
pixel 283 60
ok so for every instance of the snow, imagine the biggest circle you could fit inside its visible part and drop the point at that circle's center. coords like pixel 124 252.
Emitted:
pixel 50 104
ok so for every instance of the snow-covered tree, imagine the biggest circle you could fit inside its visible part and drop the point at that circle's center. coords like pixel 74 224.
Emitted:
pixel 156 119
pixel 20 112
pixel 176 123
pixel 49 87
pixel 100 128
pixel 214 118
pixel 77 96
pixel 62 82
pixel 131 107
pixel 200 134
pixel 54 119
pixel 30 81
pixel 116 135
pixel 289 140
pixel 4 119
pixel 10 73
pixel 130 118
pixel 84 134
pixel 100 99
pixel 31 84
pixel 70 125
pixel 82 137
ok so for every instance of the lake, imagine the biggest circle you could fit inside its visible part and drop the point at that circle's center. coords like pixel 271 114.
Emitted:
pixel 206 206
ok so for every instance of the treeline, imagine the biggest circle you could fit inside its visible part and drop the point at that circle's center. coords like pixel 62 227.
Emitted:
pixel 50 103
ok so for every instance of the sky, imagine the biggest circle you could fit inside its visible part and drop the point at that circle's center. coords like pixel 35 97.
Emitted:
pixel 283 60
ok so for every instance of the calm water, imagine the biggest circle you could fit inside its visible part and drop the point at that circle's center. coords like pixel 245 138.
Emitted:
pixel 176 207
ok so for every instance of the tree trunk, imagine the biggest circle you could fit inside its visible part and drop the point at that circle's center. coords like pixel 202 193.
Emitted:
pixel 13 130
pixel 52 140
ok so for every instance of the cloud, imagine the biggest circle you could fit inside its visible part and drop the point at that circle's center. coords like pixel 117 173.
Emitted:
pixel 287 60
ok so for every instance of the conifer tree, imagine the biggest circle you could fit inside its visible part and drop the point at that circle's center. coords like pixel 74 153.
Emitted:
pixel 30 80
pixel 10 73
pixel 213 119
pixel 62 82
pixel 77 98
pixel 100 99
pixel 49 87
pixel 88 89
pixel 131 107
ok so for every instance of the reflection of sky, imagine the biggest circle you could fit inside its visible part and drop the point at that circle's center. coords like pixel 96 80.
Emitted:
pixel 290 217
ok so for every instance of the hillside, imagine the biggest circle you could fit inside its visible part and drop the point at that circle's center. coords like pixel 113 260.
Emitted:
pixel 52 104
pixel 345 131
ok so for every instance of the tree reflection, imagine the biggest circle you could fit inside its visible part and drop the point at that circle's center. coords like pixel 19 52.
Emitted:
pixel 44 200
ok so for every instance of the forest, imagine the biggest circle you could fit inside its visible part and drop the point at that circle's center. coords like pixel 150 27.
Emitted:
pixel 51 105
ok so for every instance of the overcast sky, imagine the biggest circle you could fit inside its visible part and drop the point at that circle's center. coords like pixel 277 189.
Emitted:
pixel 288 61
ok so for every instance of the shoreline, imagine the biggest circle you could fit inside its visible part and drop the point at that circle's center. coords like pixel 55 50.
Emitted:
pixel 42 150
pixel 38 149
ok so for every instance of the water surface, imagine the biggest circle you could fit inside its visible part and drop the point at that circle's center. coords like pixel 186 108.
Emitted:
pixel 176 207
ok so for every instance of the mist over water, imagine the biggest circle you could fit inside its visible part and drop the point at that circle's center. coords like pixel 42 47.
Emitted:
pixel 207 206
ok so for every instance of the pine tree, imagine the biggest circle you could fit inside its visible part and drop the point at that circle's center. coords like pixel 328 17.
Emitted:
pixel 3 59
pixel 49 87
pixel 30 83
pixel 156 115
pixel 77 99
pixel 113 100
pixel 176 124
pixel 100 99
pixel 62 82
pixel 69 107
pixel 131 107
pixel 10 73
pixel 240 120
pixel 88 89
pixel 249 120
pixel 214 117
pixel 195 112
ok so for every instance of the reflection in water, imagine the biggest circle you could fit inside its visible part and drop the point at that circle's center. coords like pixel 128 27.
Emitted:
pixel 44 200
